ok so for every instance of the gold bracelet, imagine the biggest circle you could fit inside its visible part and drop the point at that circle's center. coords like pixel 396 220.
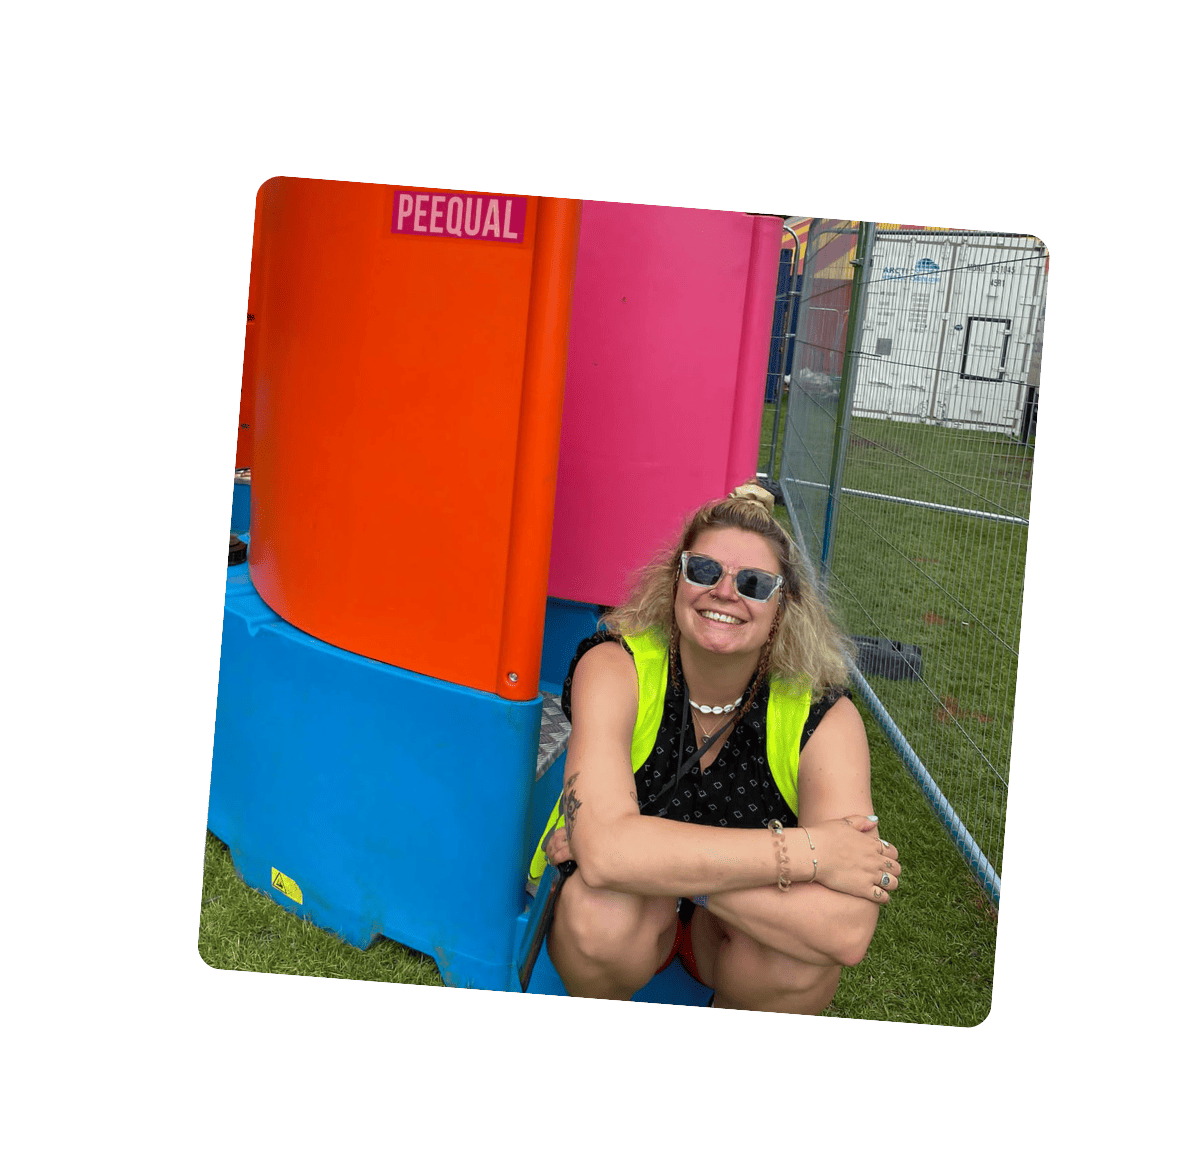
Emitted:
pixel 776 828
pixel 812 847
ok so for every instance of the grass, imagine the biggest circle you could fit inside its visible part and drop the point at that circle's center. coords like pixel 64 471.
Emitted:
pixel 958 467
pixel 932 957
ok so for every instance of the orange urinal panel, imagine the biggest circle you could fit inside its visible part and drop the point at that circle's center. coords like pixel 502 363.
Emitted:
pixel 245 438
pixel 407 393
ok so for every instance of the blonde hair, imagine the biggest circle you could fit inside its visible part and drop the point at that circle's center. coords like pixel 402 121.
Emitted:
pixel 805 646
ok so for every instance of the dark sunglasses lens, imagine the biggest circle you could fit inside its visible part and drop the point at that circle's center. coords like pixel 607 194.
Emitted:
pixel 755 584
pixel 703 571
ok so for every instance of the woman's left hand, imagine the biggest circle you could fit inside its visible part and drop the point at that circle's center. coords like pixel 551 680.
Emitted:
pixel 852 859
pixel 557 848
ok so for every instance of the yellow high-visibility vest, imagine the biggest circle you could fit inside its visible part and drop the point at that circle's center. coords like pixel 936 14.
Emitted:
pixel 787 711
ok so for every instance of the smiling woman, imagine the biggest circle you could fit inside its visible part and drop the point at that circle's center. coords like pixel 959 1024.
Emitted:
pixel 717 802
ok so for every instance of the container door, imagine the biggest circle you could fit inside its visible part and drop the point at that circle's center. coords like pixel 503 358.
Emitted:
pixel 902 327
pixel 992 315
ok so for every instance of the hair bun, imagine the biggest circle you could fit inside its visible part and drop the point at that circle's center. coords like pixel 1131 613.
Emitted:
pixel 753 492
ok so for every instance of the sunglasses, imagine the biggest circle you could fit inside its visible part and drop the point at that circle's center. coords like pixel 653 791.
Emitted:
pixel 756 585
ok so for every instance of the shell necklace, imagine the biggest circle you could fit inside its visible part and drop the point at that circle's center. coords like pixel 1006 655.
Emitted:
pixel 707 710
pixel 697 757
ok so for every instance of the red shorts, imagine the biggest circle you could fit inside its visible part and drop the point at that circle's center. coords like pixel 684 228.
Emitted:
pixel 682 946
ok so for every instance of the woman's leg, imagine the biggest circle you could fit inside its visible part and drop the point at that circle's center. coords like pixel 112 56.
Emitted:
pixel 752 977
pixel 607 945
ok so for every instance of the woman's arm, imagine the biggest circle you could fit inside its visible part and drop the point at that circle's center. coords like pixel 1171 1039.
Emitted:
pixel 617 848
pixel 809 923
pixel 814 923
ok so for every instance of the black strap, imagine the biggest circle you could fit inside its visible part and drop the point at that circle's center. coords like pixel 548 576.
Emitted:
pixel 681 770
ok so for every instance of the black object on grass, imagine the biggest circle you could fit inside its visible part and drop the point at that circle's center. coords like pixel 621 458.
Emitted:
pixel 888 658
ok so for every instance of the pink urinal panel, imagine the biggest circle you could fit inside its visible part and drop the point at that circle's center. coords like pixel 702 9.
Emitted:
pixel 666 374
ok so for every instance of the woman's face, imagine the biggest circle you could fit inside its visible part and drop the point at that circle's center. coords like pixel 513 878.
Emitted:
pixel 718 619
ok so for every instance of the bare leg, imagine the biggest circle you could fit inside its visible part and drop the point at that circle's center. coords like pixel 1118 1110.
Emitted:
pixel 607 945
pixel 752 977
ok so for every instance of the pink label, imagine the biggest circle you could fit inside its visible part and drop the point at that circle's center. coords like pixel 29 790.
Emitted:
pixel 497 218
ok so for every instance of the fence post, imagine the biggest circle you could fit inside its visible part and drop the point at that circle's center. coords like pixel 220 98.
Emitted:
pixel 841 434
pixel 789 323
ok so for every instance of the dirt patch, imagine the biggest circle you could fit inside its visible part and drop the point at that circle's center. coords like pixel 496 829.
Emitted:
pixel 951 709
pixel 867 443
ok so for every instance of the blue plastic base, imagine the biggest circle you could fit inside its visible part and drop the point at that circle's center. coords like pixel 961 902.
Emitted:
pixel 398 804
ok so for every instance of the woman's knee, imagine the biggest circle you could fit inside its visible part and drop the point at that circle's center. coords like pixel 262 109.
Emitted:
pixel 606 926
pixel 763 973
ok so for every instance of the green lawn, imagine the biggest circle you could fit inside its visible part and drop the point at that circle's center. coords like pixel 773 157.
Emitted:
pixel 932 956
pixel 957 467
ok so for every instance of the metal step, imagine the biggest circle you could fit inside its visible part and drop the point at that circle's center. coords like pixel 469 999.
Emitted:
pixel 556 729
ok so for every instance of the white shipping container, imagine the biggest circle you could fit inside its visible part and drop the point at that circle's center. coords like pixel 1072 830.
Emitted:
pixel 949 324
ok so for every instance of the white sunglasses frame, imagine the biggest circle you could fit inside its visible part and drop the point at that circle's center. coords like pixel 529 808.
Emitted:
pixel 683 560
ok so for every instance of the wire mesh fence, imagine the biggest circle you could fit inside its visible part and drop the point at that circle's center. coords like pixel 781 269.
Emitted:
pixel 781 352
pixel 821 311
pixel 906 464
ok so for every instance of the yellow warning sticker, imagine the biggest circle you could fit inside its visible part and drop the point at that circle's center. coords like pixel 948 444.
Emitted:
pixel 286 886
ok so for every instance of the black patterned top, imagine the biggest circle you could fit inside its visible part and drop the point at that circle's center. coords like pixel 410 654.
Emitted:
pixel 737 789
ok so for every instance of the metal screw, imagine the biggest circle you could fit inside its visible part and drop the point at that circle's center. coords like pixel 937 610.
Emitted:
pixel 512 677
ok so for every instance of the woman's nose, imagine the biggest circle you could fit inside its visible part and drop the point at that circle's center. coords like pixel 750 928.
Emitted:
pixel 725 587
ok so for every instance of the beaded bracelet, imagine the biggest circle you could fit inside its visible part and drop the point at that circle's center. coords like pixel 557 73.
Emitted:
pixel 776 828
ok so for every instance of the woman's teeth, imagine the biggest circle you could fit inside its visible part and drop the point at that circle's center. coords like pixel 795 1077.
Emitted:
pixel 717 618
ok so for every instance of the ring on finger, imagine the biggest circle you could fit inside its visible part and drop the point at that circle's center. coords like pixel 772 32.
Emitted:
pixel 886 845
pixel 885 881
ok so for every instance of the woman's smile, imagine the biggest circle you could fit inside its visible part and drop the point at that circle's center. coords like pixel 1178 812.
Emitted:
pixel 717 617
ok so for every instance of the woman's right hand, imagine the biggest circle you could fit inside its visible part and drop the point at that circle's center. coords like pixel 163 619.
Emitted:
pixel 850 858
pixel 557 848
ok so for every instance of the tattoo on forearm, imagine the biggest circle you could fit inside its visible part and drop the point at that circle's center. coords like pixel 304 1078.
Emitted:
pixel 571 803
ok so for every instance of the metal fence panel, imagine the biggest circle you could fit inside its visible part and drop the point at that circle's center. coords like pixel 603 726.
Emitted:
pixel 926 564
pixel 807 463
